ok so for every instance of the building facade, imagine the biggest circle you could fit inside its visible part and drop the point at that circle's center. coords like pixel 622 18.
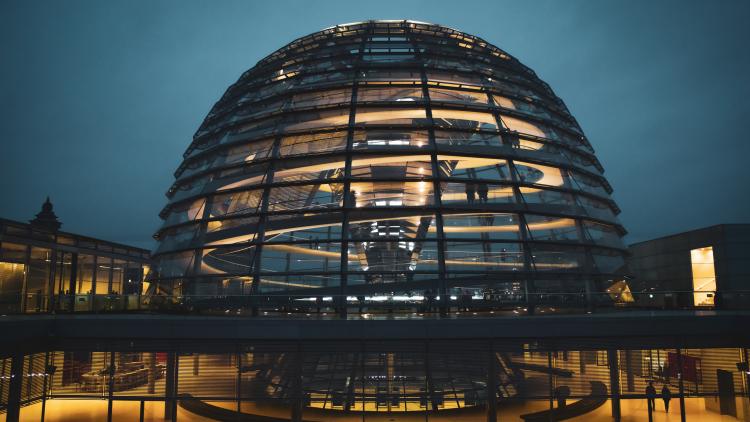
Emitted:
pixel 43 269
pixel 706 267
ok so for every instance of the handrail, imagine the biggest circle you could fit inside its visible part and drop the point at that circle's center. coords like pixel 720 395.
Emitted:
pixel 416 303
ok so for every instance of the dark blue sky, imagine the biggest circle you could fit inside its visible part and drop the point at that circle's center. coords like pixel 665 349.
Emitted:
pixel 100 99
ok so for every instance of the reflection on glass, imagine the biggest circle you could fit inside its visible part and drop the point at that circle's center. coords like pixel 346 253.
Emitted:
pixel 305 197
pixel 481 225
pixel 475 168
pixel 483 256
pixel 453 193
pixel 557 257
pixel 551 228
pixel 245 202
pixel 391 194
pixel 309 168
pixel 391 167
pixel 461 140
pixel 312 143
pixel 315 256
pixel 464 119
pixel 390 140
pixel 397 94
pixel 453 96
pixel 390 116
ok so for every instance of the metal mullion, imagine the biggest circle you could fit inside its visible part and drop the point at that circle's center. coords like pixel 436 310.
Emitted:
pixel 349 202
pixel 442 286
pixel 529 288
pixel 260 234
pixel 591 286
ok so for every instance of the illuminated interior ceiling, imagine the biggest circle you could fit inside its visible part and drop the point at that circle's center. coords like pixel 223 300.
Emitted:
pixel 388 152
pixel 704 276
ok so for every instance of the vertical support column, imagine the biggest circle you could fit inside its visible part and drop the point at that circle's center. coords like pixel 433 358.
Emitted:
pixel 550 380
pixel 630 376
pixel 44 384
pixel 51 281
pixel 14 389
pixel 110 384
pixel 491 385
pixel 239 381
pixel 25 285
pixel 681 384
pixel 151 379
pixel 614 383
pixel 296 404
pixel 170 401
pixel 72 282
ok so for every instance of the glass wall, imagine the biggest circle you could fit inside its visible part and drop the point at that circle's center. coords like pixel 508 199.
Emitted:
pixel 373 381
pixel 41 271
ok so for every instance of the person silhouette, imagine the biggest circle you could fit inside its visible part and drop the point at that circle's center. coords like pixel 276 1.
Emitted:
pixel 470 192
pixel 666 395
pixel 483 190
pixel 651 396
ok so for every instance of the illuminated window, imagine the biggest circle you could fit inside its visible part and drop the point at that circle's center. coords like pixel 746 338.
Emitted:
pixel 704 276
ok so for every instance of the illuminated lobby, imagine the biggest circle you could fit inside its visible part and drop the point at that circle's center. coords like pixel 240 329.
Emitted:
pixel 380 221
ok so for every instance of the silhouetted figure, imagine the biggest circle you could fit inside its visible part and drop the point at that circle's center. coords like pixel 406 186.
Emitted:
pixel 464 301
pixel 666 395
pixel 470 192
pixel 483 190
pixel 651 396
pixel 562 393
pixel 429 299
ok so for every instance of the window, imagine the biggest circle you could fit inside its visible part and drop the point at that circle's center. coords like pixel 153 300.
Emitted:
pixel 391 167
pixel 486 226
pixel 455 96
pixel 390 116
pixel 483 256
pixel 395 94
pixel 389 140
pixel 246 202
pixel 391 194
pixel 551 228
pixel 464 119
pixel 320 196
pixel 473 168
pixel 453 193
pixel 312 143
pixel 704 276
pixel 445 140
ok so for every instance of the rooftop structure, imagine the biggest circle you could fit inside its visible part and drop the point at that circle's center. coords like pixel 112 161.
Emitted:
pixel 388 165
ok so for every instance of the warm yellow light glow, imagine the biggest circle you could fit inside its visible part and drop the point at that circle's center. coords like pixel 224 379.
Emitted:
pixel 387 115
pixel 704 276
pixel 473 116
pixel 548 225
pixel 523 127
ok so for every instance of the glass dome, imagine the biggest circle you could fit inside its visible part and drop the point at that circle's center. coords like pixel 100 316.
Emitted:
pixel 389 166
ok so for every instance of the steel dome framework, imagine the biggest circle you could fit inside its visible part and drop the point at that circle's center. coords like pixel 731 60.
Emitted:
pixel 389 165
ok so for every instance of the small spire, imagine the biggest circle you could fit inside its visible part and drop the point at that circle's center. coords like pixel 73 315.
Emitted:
pixel 46 218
